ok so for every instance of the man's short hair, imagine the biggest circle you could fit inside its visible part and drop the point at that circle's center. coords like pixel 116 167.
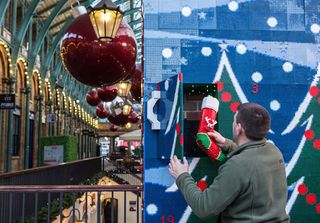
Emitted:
pixel 254 119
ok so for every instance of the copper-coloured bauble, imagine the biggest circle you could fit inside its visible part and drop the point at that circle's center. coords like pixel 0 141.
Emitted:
pixel 94 62
pixel 101 112
pixel 120 119
pixel 107 93
pixel 136 83
pixel 92 98
pixel 113 128
pixel 133 117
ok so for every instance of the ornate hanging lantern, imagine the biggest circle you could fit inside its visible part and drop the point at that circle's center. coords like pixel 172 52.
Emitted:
pixel 106 18
pixel 123 88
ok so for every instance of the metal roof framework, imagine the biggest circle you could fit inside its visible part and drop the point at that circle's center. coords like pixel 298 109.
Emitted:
pixel 54 17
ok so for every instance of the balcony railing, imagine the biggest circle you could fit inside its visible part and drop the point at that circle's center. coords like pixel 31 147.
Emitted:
pixel 89 203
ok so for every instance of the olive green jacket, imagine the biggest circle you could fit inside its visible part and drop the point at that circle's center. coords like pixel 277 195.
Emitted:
pixel 251 186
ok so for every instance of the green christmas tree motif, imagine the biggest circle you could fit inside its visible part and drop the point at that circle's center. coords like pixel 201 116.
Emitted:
pixel 178 138
pixel 303 170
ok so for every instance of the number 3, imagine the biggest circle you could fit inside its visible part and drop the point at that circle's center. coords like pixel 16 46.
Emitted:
pixel 255 88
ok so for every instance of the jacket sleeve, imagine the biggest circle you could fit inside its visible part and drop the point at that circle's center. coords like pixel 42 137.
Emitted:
pixel 228 146
pixel 213 200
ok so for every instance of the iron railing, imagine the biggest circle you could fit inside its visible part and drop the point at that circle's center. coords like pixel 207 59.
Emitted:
pixel 66 173
pixel 105 203
pixel 62 174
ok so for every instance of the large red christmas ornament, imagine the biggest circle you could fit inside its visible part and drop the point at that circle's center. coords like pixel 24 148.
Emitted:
pixel 101 112
pixel 120 119
pixel 92 98
pixel 94 62
pixel 133 117
pixel 113 128
pixel 136 83
pixel 107 93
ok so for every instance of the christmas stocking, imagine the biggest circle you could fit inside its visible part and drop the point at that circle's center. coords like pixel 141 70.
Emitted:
pixel 209 108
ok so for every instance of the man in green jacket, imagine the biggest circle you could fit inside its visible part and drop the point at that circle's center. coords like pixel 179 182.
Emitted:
pixel 251 185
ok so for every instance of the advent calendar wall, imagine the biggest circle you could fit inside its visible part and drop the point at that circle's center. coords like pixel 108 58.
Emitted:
pixel 263 51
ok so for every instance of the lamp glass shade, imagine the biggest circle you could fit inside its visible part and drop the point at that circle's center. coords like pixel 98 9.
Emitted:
pixel 126 109
pixel 106 22
pixel 123 88
pixel 128 125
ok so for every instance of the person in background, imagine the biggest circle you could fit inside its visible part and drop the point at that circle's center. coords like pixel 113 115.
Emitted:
pixel 251 185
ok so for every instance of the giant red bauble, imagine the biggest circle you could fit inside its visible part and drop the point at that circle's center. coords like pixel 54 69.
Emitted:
pixel 120 119
pixel 133 117
pixel 136 78
pixel 92 98
pixel 107 93
pixel 113 128
pixel 94 62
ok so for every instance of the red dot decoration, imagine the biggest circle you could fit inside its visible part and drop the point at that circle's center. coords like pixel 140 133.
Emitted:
pixel 178 128
pixel 309 134
pixel 302 189
pixel 318 208
pixel 181 140
pixel 316 144
pixel 219 85
pixel 234 106
pixel 202 185
pixel 180 77
pixel 318 100
pixel 314 91
pixel 226 96
pixel 311 199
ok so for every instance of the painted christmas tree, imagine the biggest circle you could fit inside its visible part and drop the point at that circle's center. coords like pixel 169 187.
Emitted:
pixel 303 169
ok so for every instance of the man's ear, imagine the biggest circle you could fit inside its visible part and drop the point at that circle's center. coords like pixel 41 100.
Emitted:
pixel 239 129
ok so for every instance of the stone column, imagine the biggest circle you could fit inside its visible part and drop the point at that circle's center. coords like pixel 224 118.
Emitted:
pixel 8 168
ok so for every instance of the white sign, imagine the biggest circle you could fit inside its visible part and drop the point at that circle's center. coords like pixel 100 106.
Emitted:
pixel 53 155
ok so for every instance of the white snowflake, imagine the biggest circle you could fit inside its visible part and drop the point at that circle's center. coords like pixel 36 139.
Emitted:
pixel 206 51
pixel 275 105
pixel 315 28
pixel 287 67
pixel 257 77
pixel 241 48
pixel 152 209
pixel 186 11
pixel 233 6
pixel 167 53
pixel 272 22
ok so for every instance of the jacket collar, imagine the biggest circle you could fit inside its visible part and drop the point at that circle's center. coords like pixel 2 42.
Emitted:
pixel 248 145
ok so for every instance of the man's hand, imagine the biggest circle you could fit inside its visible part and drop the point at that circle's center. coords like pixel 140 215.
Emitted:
pixel 176 167
pixel 217 137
